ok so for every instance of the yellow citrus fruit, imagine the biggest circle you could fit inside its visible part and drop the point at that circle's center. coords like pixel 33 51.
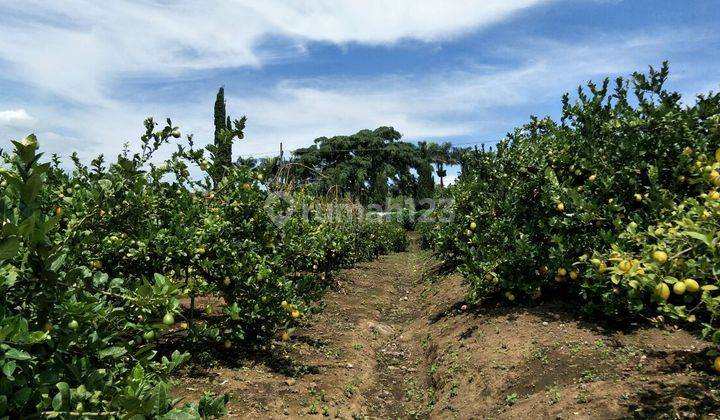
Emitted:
pixel 625 266
pixel 562 272
pixel 227 344
pixel 640 270
pixel 285 336
pixel 473 225
pixel 716 364
pixel 295 314
pixel 638 197
pixel 284 304
pixel 662 291
pixel 602 267
pixel 574 275
pixel 592 178
pixel 58 211
pixel 679 288
pixel 660 257
pixel 468 232
pixel 183 325
pixel 226 281
pixel 510 296
pixel 714 195
pixel 561 207
pixel 691 285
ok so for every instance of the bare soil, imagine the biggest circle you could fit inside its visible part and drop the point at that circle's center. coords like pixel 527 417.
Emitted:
pixel 394 341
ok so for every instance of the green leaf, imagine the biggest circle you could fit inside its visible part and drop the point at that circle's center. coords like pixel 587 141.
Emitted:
pixel 9 368
pixel 113 352
pixel 9 247
pixel 65 395
pixel 706 239
pixel 17 354
pixel 58 261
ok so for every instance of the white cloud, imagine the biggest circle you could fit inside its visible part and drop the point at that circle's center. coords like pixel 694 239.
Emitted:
pixel 446 104
pixel 16 118
pixel 76 49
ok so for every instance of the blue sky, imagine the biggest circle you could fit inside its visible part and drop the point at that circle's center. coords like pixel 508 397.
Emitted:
pixel 84 74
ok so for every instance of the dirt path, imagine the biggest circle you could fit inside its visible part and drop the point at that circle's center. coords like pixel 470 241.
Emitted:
pixel 389 343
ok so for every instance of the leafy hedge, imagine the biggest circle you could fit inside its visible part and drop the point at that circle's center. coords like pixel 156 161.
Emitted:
pixel 94 265
pixel 577 208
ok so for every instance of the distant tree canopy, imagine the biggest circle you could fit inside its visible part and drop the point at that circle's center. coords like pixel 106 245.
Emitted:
pixel 369 165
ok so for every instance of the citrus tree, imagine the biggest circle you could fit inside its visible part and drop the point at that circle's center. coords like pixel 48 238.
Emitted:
pixel 620 167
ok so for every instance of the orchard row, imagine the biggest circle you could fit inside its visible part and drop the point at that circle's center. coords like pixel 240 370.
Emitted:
pixel 614 208
pixel 100 269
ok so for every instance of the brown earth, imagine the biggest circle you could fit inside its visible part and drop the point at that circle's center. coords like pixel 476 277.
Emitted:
pixel 393 341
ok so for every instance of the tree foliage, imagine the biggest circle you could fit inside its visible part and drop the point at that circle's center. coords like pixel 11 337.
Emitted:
pixel 368 165
pixel 611 206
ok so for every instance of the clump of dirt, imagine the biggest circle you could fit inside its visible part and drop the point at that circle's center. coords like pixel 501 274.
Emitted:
pixel 390 343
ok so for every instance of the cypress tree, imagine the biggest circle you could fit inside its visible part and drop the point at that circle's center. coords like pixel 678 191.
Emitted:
pixel 220 115
pixel 222 142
